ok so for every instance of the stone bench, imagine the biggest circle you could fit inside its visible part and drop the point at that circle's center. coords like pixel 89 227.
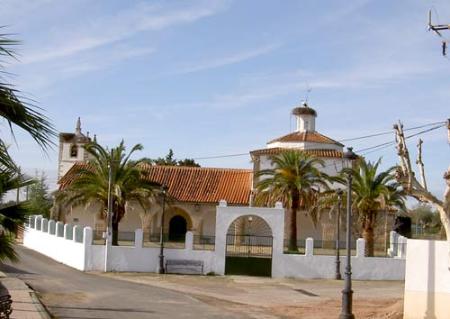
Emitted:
pixel 183 266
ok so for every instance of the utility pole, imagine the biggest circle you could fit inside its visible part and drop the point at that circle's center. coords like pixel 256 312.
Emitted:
pixel 436 28
pixel 18 188
pixel 109 214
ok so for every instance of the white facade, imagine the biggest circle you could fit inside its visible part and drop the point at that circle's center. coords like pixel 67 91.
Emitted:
pixel 305 138
pixel 304 146
pixel 306 123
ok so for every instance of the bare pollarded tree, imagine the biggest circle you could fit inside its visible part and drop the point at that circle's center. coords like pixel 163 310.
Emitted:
pixel 406 177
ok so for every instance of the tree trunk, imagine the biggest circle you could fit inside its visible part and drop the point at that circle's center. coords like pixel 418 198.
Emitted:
pixel 368 234
pixel 117 217
pixel 292 243
pixel 368 237
pixel 115 232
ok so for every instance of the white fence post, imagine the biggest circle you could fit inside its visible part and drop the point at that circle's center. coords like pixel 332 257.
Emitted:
pixel 32 221
pixel 66 230
pixel 44 225
pixel 189 242
pixel 401 247
pixel 138 238
pixel 38 222
pixel 309 246
pixel 393 243
pixel 59 229
pixel 51 227
pixel 75 232
pixel 87 236
pixel 360 247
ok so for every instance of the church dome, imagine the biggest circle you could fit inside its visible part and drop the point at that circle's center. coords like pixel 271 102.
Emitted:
pixel 304 110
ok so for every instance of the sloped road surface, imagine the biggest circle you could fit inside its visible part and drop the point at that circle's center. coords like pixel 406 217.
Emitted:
pixel 71 294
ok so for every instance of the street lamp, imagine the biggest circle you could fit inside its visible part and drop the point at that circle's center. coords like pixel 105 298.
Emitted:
pixel 347 292
pixel 161 233
pixel 109 215
pixel 338 221
pixel 249 236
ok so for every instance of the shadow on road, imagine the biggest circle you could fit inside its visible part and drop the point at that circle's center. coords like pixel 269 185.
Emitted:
pixel 13 270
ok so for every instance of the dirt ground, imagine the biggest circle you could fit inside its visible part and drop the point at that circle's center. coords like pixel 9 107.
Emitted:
pixel 268 298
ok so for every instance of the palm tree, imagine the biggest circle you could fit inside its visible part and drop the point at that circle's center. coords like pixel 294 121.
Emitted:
pixel 129 183
pixel 19 111
pixel 295 179
pixel 373 191
pixel 12 214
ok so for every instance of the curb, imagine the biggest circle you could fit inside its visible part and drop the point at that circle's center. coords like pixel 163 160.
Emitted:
pixel 43 312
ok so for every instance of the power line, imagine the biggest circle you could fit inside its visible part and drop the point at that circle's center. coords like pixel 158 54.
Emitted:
pixel 387 144
pixel 387 132
pixel 441 123
pixel 220 156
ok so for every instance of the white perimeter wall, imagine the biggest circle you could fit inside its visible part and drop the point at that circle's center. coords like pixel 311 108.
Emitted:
pixel 44 238
pixel 87 257
pixel 309 266
pixel 427 282
pixel 66 251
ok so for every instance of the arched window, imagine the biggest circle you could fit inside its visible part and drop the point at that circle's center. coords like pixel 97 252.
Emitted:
pixel 74 151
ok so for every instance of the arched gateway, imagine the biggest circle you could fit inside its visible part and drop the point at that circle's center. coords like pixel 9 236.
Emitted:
pixel 249 247
pixel 249 240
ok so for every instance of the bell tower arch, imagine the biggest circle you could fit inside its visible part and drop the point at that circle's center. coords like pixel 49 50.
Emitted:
pixel 71 149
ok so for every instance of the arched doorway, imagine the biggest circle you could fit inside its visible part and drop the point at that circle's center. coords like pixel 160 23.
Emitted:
pixel 177 228
pixel 249 247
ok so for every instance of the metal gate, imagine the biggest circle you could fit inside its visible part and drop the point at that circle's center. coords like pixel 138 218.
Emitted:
pixel 248 255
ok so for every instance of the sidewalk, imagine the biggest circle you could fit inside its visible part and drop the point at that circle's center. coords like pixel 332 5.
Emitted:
pixel 25 303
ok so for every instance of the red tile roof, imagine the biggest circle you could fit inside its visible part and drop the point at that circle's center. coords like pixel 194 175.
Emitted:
pixel 315 152
pixel 307 136
pixel 195 184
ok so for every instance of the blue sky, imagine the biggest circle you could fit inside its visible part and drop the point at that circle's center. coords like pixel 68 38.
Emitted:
pixel 220 77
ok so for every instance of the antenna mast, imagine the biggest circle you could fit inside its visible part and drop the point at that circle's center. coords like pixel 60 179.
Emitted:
pixel 436 28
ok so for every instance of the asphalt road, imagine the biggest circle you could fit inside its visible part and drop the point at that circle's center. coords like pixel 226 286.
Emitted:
pixel 68 293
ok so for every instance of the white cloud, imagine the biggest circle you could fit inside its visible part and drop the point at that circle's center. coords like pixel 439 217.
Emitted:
pixel 95 61
pixel 227 60
pixel 262 88
pixel 102 62
pixel 91 34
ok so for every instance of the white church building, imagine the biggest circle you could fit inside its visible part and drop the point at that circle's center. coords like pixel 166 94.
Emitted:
pixel 196 191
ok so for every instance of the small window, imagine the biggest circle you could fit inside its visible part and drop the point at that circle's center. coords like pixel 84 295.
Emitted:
pixel 73 151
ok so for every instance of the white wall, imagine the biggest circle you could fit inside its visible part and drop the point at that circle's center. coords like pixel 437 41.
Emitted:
pixel 427 282
pixel 305 145
pixel 86 257
pixel 66 161
pixel 332 166
pixel 60 249
pixel 363 268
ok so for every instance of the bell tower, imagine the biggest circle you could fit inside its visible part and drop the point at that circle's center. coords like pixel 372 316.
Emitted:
pixel 71 149
pixel 306 118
